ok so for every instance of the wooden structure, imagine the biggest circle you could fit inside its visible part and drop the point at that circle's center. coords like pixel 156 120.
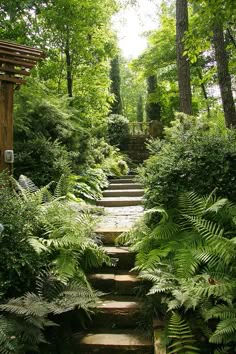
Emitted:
pixel 16 61
pixel 148 129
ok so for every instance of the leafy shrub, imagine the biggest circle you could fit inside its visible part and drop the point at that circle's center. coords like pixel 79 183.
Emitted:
pixel 118 130
pixel 192 157
pixel 42 160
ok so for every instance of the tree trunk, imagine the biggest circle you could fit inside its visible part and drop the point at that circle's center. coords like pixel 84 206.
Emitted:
pixel 204 91
pixel 182 60
pixel 68 67
pixel 224 76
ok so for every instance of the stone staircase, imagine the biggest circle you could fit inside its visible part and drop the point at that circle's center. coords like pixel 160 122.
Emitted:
pixel 114 326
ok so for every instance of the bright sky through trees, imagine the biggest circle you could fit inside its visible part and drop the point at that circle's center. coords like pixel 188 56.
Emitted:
pixel 131 23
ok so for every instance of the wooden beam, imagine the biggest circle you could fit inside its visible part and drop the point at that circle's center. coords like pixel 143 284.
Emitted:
pixel 17 62
pixel 21 47
pixel 18 55
pixel 25 60
pixel 6 69
pixel 16 80
pixel 6 122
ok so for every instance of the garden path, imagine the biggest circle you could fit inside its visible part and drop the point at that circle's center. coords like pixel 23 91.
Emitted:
pixel 114 327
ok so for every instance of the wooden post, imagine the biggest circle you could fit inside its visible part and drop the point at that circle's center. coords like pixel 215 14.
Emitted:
pixel 16 61
pixel 6 122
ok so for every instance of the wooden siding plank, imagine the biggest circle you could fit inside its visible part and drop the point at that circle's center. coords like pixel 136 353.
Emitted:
pixel 21 47
pixel 18 55
pixel 17 62
pixel 6 69
pixel 16 80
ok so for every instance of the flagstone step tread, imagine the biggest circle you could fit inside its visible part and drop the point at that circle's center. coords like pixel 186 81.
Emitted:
pixel 117 250
pixel 123 199
pixel 123 193
pixel 122 180
pixel 117 283
pixel 110 305
pixel 125 211
pixel 110 223
pixel 116 277
pixel 121 186
pixel 115 341
pixel 123 177
pixel 117 314
pixel 120 201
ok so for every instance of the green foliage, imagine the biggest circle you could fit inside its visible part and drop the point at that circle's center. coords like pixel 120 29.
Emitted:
pixel 89 186
pixel 133 86
pixel 153 108
pixel 118 130
pixel 43 233
pixel 140 110
pixel 188 254
pixel 116 106
pixel 20 266
pixel 192 157
pixel 24 319
pixel 180 333
pixel 64 234
pixel 42 160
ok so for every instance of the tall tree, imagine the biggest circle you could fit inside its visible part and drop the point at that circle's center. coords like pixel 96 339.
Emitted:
pixel 116 106
pixel 140 109
pixel 217 18
pixel 182 59
pixel 153 107
pixel 224 76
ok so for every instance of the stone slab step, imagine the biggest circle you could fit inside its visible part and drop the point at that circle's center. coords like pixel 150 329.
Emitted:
pixel 109 235
pixel 120 201
pixel 113 342
pixel 124 258
pixel 121 284
pixel 123 177
pixel 124 193
pixel 118 314
pixel 116 186
pixel 122 180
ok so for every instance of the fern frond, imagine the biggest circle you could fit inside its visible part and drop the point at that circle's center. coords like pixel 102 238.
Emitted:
pixel 225 331
pixel 192 204
pixel 181 335
pixel 206 228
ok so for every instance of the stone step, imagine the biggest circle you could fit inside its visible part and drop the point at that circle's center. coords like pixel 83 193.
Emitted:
pixel 113 342
pixel 121 284
pixel 122 180
pixel 124 258
pixel 120 186
pixel 120 201
pixel 116 313
pixel 124 177
pixel 109 235
pixel 123 193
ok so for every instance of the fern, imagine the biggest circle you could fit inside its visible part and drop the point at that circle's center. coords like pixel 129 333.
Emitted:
pixel 189 258
pixel 182 338
pixel 25 318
